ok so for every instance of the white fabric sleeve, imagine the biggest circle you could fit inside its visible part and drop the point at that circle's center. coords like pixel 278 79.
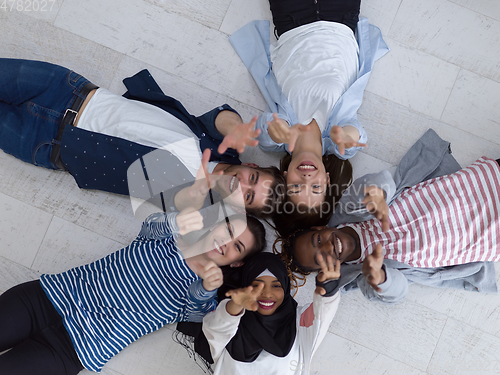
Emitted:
pixel 219 328
pixel 313 321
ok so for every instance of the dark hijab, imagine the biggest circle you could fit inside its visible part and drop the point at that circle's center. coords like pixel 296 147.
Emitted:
pixel 273 333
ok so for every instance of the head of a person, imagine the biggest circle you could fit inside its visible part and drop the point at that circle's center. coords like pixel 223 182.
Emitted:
pixel 262 188
pixel 268 270
pixel 303 247
pixel 313 193
pixel 231 242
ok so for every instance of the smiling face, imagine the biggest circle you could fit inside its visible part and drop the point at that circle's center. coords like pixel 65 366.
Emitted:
pixel 272 295
pixel 255 186
pixel 339 244
pixel 229 243
pixel 307 180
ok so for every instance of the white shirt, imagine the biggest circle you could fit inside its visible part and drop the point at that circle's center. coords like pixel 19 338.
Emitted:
pixel 313 321
pixel 315 64
pixel 143 123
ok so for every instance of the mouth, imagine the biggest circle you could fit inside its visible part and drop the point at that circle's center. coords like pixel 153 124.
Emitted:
pixel 307 166
pixel 266 305
pixel 339 245
pixel 217 248
pixel 233 184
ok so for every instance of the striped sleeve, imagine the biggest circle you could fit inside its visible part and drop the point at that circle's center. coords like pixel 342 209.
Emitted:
pixel 159 225
pixel 199 302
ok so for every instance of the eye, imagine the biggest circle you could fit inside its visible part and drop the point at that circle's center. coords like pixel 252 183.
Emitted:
pixel 252 177
pixel 238 247
pixel 247 196
pixel 319 239
pixel 277 286
pixel 316 186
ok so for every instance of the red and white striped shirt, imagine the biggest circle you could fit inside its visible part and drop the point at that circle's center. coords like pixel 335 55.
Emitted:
pixel 445 221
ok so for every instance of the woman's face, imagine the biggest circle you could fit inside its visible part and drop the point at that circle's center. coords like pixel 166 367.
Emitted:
pixel 272 295
pixel 229 243
pixel 307 180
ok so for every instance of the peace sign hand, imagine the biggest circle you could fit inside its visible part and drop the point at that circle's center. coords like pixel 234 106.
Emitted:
pixel 246 297
pixel 194 195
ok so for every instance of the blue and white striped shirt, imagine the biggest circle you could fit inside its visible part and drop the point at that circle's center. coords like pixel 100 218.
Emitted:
pixel 108 304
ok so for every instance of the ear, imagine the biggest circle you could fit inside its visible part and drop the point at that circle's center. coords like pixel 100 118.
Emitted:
pixel 328 178
pixel 319 228
pixel 253 165
pixel 236 264
pixel 285 173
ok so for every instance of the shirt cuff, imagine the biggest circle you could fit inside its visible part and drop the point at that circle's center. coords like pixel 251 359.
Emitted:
pixel 386 285
pixel 199 294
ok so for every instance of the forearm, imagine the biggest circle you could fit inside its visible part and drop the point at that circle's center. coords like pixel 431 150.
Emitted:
pixel 226 121
pixel 159 225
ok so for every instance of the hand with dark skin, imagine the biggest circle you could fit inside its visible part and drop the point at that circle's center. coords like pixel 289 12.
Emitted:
pixel 243 298
pixel 329 271
pixel 375 204
pixel 372 268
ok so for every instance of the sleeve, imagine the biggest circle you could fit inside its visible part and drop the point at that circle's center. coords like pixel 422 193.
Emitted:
pixel 219 328
pixel 314 321
pixel 393 290
pixel 266 143
pixel 199 302
pixel 159 225
pixel 329 147
pixel 351 208
pixel 211 138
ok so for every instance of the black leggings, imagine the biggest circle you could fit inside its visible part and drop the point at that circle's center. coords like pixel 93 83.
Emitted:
pixel 288 14
pixel 31 326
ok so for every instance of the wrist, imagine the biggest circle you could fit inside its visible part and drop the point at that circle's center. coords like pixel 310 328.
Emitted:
pixel 382 276
pixel 233 308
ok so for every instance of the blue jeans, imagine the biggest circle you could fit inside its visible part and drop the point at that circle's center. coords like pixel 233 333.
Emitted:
pixel 34 96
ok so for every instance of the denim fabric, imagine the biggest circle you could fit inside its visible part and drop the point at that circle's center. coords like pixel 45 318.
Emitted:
pixel 34 96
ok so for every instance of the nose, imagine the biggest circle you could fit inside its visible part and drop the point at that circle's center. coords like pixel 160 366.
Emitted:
pixel 327 247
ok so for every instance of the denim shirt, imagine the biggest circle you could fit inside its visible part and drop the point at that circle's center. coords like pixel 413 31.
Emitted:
pixel 252 42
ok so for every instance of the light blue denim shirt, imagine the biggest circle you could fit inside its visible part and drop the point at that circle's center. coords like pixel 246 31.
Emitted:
pixel 252 42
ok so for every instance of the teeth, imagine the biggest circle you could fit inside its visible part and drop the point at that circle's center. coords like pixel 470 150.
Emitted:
pixel 231 184
pixel 217 247
pixel 339 245
pixel 307 167
pixel 267 304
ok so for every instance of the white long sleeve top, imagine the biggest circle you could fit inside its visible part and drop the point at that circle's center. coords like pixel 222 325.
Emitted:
pixel 313 321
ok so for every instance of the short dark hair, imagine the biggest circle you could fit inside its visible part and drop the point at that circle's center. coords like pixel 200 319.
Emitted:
pixel 277 196
pixel 340 172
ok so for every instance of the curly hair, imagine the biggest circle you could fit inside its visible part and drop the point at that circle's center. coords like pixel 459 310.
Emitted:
pixel 296 272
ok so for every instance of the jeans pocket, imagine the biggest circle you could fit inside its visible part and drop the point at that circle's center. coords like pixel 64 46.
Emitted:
pixel 72 78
